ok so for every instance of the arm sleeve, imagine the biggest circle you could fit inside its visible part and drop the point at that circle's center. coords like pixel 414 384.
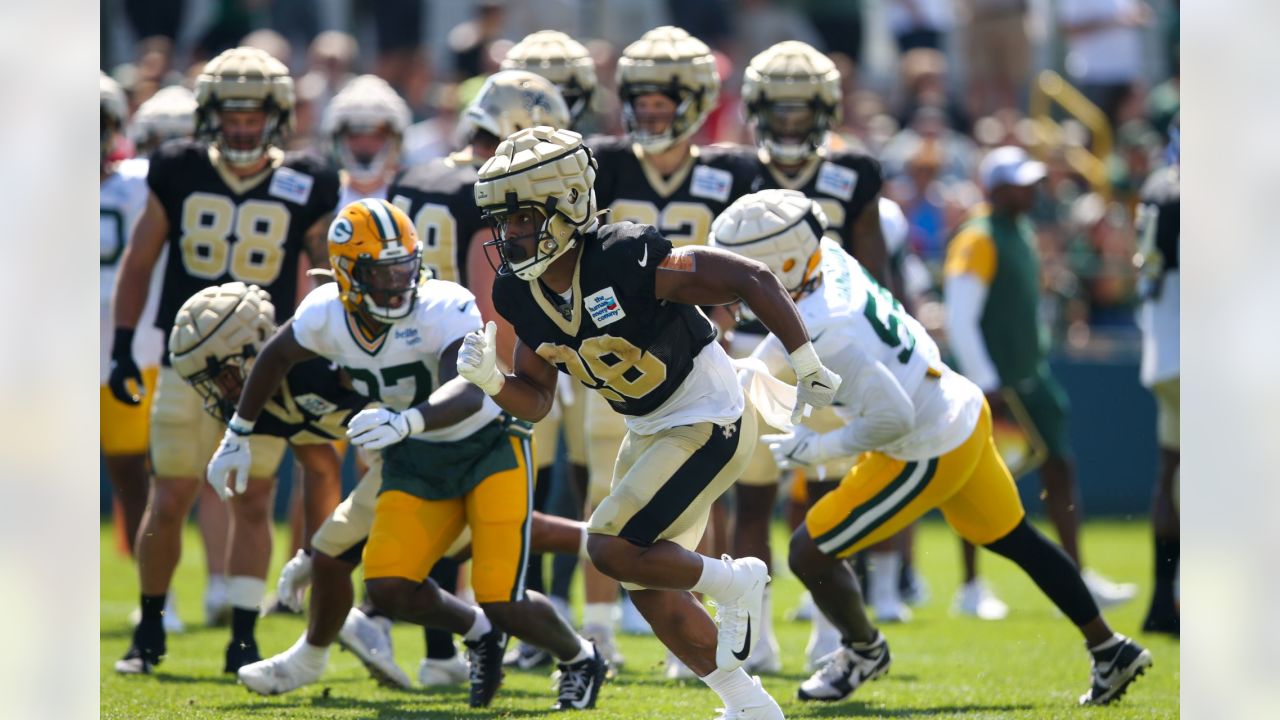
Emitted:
pixel 966 296
pixel 883 410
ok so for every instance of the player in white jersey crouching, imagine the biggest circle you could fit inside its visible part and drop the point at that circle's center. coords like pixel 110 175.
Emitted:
pixel 923 436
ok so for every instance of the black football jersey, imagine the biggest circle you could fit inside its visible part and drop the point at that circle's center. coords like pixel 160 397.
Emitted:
pixel 683 205
pixel 842 182
pixel 613 335
pixel 314 404
pixel 438 197
pixel 1159 229
pixel 223 228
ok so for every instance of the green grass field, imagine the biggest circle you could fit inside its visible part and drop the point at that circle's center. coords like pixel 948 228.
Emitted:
pixel 1030 665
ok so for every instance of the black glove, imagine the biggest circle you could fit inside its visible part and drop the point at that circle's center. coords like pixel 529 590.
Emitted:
pixel 123 368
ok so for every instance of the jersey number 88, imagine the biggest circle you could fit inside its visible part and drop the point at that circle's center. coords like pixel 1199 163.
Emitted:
pixel 260 227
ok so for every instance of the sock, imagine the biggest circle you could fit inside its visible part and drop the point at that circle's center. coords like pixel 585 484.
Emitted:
pixel 313 656
pixel 863 646
pixel 243 622
pixel 1105 649
pixel 585 651
pixel 217 583
pixel 734 688
pixel 439 644
pixel 582 545
pixel 1046 564
pixel 479 627
pixel 246 592
pixel 716 579
pixel 882 577
pixel 1167 552
pixel 153 608
pixel 599 615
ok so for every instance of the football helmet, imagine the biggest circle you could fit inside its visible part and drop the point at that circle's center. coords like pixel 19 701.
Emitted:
pixel 244 78
pixel 543 169
pixel 216 336
pixel 780 228
pixel 792 97
pixel 367 104
pixel 376 259
pixel 170 113
pixel 114 109
pixel 669 61
pixel 562 60
pixel 512 100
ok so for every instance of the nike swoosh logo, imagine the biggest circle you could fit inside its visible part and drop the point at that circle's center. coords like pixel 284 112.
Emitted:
pixel 746 644
pixel 464 307
pixel 581 702
pixel 814 339
pixel 815 383
pixel 644 259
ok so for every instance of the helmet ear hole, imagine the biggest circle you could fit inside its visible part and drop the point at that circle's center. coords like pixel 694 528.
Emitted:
pixel 788 264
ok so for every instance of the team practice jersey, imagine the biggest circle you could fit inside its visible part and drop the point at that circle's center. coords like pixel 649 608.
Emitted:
pixel 438 198
pixel 854 323
pixel 401 368
pixel 683 205
pixel 223 228
pixel 654 361
pixel 121 200
pixel 1160 243
pixel 842 182
pixel 313 405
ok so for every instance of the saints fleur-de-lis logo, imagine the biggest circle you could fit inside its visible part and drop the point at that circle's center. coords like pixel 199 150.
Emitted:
pixel 728 431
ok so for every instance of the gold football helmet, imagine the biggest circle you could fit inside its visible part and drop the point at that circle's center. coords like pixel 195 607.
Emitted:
pixel 216 336
pixel 366 105
pixel 114 109
pixel 669 61
pixel 792 97
pixel 244 79
pixel 512 100
pixel 376 259
pixel 169 114
pixel 562 60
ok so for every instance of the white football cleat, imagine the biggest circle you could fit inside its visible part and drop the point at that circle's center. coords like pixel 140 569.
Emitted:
pixel 1105 592
pixel 824 639
pixel 281 673
pixel 677 670
pixel 441 673
pixel 766 656
pixel 764 708
pixel 976 599
pixel 370 640
pixel 739 611
pixel 844 670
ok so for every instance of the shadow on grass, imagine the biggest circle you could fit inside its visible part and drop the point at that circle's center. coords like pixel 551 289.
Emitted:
pixel 857 708
pixel 407 705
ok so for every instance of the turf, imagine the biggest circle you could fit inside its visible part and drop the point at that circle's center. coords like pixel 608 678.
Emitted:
pixel 1030 665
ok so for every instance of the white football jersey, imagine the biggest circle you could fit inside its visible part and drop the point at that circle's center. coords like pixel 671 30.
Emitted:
pixel 121 199
pixel 402 368
pixel 849 310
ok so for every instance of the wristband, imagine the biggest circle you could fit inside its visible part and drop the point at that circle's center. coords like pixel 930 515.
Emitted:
pixel 804 360
pixel 239 425
pixel 122 343
pixel 416 422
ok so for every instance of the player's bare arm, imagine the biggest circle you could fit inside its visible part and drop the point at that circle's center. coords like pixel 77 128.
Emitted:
pixel 316 245
pixel 869 248
pixel 708 276
pixel 279 355
pixel 130 296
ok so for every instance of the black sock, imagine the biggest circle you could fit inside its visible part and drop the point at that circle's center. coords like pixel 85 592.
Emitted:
pixel 1058 578
pixel 1167 554
pixel 153 608
pixel 243 621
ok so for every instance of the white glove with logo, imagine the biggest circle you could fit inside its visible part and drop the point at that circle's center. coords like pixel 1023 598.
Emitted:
pixel 800 448
pixel 478 360
pixel 294 580
pixel 376 428
pixel 816 385
pixel 231 458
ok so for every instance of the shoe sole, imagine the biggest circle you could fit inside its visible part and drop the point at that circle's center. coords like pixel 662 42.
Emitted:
pixel 132 667
pixel 876 674
pixel 1135 669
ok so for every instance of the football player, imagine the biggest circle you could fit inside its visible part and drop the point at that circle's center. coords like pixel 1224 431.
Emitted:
pixel 450 456
pixel 922 436
pixel 229 206
pixel 562 60
pixel 365 124
pixel 615 307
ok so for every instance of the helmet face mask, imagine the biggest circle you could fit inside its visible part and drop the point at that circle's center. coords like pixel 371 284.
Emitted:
pixel 230 91
pixel 667 61
pixel 221 383
pixel 365 122
pixel 367 153
pixel 243 135
pixel 376 260
pixel 389 286
pixel 216 336
pixel 523 240
pixel 114 107
pixel 779 85
pixel 791 131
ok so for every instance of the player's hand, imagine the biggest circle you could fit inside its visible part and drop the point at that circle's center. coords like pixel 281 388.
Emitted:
pixel 478 360
pixel 796 449
pixel 124 369
pixel 231 461
pixel 816 385
pixel 294 579
pixel 376 428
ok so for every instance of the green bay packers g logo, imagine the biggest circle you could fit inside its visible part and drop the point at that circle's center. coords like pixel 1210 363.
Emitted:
pixel 340 231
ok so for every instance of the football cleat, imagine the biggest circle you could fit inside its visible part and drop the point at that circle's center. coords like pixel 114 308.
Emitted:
pixel 145 652
pixel 370 640
pixel 281 673
pixel 239 654
pixel 526 657
pixel 1112 676
pixel 737 614
pixel 602 637
pixel 441 673
pixel 844 670
pixel 485 655
pixel 579 683
pixel 1105 592
pixel 765 708
pixel 976 599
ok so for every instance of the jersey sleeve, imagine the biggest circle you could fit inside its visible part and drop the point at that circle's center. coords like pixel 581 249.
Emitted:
pixel 870 182
pixel 633 253
pixel 309 320
pixel 164 171
pixel 452 314
pixel 971 251
pixel 328 189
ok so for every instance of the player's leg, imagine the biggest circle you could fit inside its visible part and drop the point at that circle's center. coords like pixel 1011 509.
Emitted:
pixel 123 436
pixel 756 492
pixel 213 518
pixel 545 440
pixel 603 431
pixel 1162 615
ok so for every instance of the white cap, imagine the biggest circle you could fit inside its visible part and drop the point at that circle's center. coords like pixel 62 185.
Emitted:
pixel 1009 165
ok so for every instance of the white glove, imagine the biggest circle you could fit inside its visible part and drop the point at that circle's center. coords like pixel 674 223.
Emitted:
pixel 294 579
pixel 799 448
pixel 478 360
pixel 231 458
pixel 376 428
pixel 816 385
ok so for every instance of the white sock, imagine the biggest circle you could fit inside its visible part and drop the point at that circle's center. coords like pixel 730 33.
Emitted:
pixel 217 583
pixel 598 615
pixel 582 545
pixel 246 592
pixel 1105 645
pixel 310 655
pixel 735 689
pixel 479 628
pixel 882 576
pixel 585 650
pixel 716 579
pixel 766 621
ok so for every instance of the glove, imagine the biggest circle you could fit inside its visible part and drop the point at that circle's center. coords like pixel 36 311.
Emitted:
pixel 478 360
pixel 124 369
pixel 816 386
pixel 801 447
pixel 231 457
pixel 376 428
pixel 294 579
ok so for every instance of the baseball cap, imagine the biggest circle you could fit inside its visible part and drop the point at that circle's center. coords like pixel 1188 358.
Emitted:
pixel 1009 165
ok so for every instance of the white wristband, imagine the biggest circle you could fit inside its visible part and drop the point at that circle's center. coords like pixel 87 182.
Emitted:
pixel 416 422
pixel 804 360
pixel 494 384
pixel 239 425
